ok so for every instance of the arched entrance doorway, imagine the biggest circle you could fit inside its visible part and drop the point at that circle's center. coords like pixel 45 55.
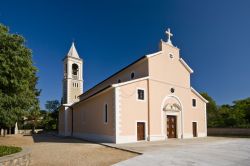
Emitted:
pixel 172 118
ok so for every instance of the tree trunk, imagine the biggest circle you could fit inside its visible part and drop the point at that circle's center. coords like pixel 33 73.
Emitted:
pixel 33 129
pixel 4 132
pixel 9 130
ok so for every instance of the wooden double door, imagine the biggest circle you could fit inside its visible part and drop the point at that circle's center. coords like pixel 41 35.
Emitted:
pixel 140 131
pixel 171 126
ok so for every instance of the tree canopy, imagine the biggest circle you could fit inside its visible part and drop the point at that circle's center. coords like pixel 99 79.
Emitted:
pixel 235 115
pixel 52 105
pixel 18 92
pixel 50 116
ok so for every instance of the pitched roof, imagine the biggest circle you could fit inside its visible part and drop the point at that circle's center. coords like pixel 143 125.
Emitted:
pixel 94 94
pixel 114 74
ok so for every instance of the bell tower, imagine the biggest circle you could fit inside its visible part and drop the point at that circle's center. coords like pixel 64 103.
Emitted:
pixel 72 78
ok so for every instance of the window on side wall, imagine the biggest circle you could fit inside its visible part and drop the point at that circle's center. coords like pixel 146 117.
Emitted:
pixel 194 102
pixel 106 113
pixel 140 94
pixel 132 75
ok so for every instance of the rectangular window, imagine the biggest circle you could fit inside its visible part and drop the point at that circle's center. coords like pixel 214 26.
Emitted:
pixel 106 114
pixel 194 102
pixel 140 94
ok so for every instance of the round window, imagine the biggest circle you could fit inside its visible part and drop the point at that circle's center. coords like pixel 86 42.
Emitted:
pixel 171 56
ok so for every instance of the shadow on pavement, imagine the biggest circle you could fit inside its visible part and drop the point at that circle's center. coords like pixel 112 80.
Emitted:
pixel 53 137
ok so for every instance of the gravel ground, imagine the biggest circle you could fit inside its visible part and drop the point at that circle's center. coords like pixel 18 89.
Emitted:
pixel 52 150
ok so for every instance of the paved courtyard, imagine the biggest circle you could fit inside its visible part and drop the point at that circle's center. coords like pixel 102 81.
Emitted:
pixel 48 150
pixel 209 151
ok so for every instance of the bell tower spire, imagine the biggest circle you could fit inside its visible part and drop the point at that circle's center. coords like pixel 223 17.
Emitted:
pixel 72 80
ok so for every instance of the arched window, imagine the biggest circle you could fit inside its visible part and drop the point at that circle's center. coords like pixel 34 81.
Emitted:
pixel 106 114
pixel 132 76
pixel 75 69
pixel 119 81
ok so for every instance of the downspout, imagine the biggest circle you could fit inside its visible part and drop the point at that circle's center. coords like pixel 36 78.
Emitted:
pixel 148 111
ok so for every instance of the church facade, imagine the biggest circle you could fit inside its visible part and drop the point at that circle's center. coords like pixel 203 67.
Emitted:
pixel 149 100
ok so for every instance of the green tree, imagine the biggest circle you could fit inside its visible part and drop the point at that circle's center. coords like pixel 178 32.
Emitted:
pixel 212 111
pixel 34 116
pixel 244 106
pixel 235 115
pixel 52 117
pixel 52 105
pixel 230 116
pixel 18 92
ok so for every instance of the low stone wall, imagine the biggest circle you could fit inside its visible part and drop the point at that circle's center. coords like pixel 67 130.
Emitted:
pixel 228 131
pixel 17 159
pixel 29 131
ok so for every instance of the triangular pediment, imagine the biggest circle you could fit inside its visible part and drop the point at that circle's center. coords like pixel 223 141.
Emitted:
pixel 172 107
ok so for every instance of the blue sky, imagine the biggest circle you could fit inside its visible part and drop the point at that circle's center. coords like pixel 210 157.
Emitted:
pixel 213 37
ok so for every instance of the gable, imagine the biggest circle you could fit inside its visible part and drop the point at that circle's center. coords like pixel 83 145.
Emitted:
pixel 169 67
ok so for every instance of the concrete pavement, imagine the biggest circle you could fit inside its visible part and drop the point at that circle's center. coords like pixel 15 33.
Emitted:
pixel 193 152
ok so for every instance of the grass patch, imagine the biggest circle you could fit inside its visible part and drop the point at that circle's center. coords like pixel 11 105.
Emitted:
pixel 7 150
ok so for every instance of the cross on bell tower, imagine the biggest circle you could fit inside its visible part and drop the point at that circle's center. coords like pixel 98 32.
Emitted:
pixel 169 34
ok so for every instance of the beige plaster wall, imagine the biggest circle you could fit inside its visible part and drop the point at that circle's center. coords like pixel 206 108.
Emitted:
pixel 198 114
pixel 140 69
pixel 132 109
pixel 169 70
pixel 89 115
pixel 158 92
pixel 65 120
pixel 61 125
pixel 69 121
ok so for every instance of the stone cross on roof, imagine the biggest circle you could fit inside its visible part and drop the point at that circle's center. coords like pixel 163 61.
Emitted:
pixel 169 34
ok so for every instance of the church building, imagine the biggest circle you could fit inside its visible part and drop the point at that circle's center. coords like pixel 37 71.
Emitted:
pixel 151 99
